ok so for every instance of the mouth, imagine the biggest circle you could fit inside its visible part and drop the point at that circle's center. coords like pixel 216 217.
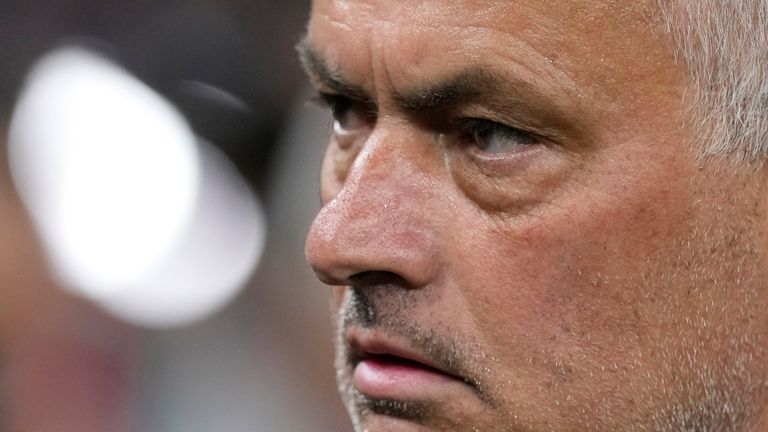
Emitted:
pixel 389 370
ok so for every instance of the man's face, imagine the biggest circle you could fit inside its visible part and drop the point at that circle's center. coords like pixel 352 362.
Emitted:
pixel 522 237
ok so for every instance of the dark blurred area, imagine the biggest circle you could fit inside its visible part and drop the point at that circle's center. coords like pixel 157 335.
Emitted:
pixel 179 47
pixel 70 358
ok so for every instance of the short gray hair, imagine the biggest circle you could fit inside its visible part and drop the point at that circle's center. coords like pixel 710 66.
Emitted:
pixel 724 43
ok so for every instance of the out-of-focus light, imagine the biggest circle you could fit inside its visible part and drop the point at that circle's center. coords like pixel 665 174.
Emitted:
pixel 107 167
pixel 214 95
pixel 131 212
pixel 210 261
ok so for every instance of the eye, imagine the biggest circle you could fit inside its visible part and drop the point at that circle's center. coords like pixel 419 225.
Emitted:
pixel 349 116
pixel 492 137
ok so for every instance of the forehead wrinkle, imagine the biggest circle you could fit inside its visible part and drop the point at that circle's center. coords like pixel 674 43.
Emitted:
pixel 523 84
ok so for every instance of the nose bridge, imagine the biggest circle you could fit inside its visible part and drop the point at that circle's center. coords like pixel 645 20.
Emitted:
pixel 383 178
pixel 377 221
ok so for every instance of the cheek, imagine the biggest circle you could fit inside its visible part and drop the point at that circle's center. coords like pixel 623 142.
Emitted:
pixel 514 184
pixel 580 276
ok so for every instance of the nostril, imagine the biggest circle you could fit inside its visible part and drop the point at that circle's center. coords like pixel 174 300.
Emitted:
pixel 378 279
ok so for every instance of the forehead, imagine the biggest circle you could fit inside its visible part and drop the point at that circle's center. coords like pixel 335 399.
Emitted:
pixel 574 44
pixel 467 12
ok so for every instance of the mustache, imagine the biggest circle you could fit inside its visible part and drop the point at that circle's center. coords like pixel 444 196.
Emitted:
pixel 387 306
pixel 378 298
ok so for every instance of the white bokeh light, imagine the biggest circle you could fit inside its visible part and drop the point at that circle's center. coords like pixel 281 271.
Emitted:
pixel 130 210
pixel 211 260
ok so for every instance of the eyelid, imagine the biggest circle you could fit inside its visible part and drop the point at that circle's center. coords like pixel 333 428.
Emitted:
pixel 328 99
pixel 324 100
pixel 335 101
pixel 542 135
pixel 466 124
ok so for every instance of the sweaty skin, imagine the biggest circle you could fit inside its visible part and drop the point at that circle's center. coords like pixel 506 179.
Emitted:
pixel 511 198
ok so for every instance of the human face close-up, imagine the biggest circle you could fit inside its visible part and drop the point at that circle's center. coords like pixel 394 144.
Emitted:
pixel 520 232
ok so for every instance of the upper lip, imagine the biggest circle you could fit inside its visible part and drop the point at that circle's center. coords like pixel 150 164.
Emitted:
pixel 366 343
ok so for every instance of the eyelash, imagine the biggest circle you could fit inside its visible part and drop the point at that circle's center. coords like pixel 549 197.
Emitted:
pixel 326 100
pixel 337 103
pixel 475 127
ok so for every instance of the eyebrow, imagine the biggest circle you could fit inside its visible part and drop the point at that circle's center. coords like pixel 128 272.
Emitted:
pixel 465 86
pixel 427 99
pixel 315 66
pixel 461 87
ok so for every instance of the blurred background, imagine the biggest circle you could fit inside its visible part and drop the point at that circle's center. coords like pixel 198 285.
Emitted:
pixel 158 173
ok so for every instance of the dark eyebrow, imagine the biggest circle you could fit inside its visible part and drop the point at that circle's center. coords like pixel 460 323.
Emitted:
pixel 461 87
pixel 523 100
pixel 316 67
pixel 452 91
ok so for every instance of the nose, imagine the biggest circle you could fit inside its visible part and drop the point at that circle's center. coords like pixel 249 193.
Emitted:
pixel 381 220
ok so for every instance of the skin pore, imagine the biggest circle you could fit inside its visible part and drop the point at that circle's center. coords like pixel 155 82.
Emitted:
pixel 511 194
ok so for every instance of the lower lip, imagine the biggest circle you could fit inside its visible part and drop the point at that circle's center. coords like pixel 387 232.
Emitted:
pixel 392 379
